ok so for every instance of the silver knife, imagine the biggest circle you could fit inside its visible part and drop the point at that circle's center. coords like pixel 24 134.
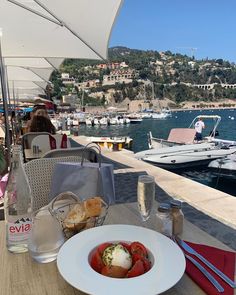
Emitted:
pixel 190 250
pixel 206 273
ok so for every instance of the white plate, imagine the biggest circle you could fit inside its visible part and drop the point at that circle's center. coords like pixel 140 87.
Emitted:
pixel 73 264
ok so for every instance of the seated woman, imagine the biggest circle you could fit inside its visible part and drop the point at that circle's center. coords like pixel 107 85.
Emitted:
pixel 38 110
pixel 42 124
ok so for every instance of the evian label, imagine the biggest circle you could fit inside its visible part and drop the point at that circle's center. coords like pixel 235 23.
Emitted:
pixel 19 229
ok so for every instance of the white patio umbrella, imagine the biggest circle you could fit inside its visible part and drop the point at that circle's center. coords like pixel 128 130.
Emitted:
pixel 50 28
pixel 28 74
pixel 24 89
pixel 33 62
pixel 57 28
pixel 28 86
pixel 41 67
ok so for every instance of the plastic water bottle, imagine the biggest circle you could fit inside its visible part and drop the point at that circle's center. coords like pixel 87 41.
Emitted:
pixel 18 205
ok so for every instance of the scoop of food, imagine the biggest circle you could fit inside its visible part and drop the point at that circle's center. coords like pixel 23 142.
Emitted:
pixel 120 260
pixel 117 255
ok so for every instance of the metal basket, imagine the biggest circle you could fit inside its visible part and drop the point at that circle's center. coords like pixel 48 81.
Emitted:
pixel 60 209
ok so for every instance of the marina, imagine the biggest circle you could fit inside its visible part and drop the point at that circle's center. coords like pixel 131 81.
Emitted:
pixel 161 129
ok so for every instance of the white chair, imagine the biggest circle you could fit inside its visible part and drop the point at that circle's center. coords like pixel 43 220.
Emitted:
pixel 90 154
pixel 43 142
pixel 39 173
pixel 27 138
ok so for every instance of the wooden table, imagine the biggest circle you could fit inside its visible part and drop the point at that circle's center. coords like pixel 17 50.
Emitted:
pixel 20 275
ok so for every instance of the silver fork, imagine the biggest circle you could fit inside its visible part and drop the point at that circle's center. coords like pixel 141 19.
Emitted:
pixel 214 282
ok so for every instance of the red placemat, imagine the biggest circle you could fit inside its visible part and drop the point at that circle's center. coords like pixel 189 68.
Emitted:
pixel 223 260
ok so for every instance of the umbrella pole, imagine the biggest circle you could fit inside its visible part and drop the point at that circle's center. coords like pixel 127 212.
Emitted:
pixel 5 106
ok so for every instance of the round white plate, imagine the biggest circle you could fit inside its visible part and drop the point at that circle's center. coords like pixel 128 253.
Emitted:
pixel 73 264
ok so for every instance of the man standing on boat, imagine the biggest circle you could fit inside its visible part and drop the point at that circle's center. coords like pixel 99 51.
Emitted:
pixel 199 125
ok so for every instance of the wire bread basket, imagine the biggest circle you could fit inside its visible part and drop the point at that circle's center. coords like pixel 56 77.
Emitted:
pixel 64 203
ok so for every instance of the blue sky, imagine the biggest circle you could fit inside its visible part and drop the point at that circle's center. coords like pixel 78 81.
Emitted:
pixel 178 26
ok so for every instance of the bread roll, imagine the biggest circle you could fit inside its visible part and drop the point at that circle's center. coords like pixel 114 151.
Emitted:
pixel 76 218
pixel 93 207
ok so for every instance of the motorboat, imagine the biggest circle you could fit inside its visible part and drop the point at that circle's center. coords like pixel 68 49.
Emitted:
pixel 181 150
pixel 182 136
pixel 224 167
pixel 103 121
pixel 186 156
pixel 150 114
pixel 134 118
pixel 116 143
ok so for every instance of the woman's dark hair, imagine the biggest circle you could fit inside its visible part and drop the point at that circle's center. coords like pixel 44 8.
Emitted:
pixel 42 124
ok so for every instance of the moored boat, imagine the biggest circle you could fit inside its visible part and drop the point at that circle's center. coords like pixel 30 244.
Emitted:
pixel 224 167
pixel 113 143
pixel 185 156
pixel 182 136
pixel 182 150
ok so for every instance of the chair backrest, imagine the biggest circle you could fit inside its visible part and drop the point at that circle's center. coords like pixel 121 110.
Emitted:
pixel 182 135
pixel 58 138
pixel 43 142
pixel 89 153
pixel 39 173
pixel 27 138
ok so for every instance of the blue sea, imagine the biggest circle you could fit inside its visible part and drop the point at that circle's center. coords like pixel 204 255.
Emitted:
pixel 161 129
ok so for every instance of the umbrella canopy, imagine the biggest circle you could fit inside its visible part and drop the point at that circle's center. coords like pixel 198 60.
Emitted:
pixel 28 74
pixel 25 89
pixel 27 85
pixel 34 62
pixel 72 28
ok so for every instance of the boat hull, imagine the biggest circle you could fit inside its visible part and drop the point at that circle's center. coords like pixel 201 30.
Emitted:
pixel 186 156
pixel 180 166
pixel 225 168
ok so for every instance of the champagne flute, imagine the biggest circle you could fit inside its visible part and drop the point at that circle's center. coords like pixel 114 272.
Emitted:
pixel 146 195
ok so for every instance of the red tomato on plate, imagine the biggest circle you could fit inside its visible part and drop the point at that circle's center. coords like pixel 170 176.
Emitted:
pixel 125 245
pixel 138 248
pixel 136 270
pixel 96 261
pixel 145 261
pixel 136 257
pixel 102 247
pixel 146 264
pixel 114 271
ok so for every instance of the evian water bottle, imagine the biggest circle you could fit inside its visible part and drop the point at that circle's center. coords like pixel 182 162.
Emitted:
pixel 18 205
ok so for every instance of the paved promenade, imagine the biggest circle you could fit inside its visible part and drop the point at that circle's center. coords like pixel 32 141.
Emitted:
pixel 210 209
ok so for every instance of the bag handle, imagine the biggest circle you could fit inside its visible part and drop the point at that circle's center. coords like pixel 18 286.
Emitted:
pixel 66 196
pixel 97 150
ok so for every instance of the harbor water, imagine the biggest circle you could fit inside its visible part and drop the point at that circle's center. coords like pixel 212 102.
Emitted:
pixel 161 129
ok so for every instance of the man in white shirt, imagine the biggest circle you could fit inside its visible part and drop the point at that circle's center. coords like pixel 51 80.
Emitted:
pixel 199 125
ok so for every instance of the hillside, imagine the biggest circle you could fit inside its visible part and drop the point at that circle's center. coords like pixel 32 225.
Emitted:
pixel 178 78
